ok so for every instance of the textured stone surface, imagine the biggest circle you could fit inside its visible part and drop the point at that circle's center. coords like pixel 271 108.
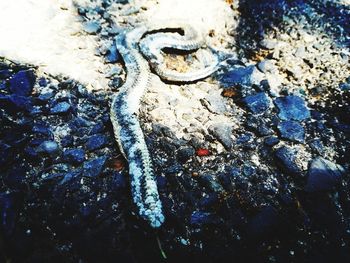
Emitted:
pixel 292 108
pixel 323 175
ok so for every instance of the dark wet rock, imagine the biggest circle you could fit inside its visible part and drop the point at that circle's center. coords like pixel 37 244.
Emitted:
pixel 42 130
pixel 264 129
pixel 271 141
pixel 317 146
pixel 209 201
pixel 291 130
pixel 98 128
pixel 14 103
pixel 264 223
pixel 15 177
pixel 96 141
pixel 173 169
pixel 238 76
pixel 2 85
pixel 185 153
pixel 248 170
pixel 31 154
pixel 119 181
pixel 318 90
pixel 122 1
pixel 67 177
pixel 323 175
pixel 67 141
pixel 91 27
pixel 5 73
pixel 292 108
pixel 74 156
pixel 93 168
pixel 199 218
pixel 6 154
pixel 61 108
pixel 48 147
pixel 80 122
pixel 257 103
pixel 286 159
pixel 259 125
pixel 7 213
pixel 22 83
pixel 244 138
pixel 222 132
pixel 210 182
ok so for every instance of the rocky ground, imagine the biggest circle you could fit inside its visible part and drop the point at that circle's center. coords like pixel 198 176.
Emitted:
pixel 252 164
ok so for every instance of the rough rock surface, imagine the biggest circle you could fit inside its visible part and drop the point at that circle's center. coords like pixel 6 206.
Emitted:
pixel 252 164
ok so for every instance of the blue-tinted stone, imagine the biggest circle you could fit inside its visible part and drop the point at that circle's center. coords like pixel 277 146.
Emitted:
pixel 91 27
pixel 344 86
pixel 74 156
pixel 79 122
pixel 238 76
pixel 44 97
pixel 22 83
pixel 94 167
pixel 184 154
pixel 42 82
pixel 70 176
pixel 292 108
pixel 211 182
pixel 271 141
pixel 244 138
pixel 317 146
pixel 42 129
pixel 323 175
pixel 15 103
pixel 112 55
pixel 286 159
pixel 96 141
pixel 31 154
pixel 209 200
pixel 199 218
pixel 61 108
pixel 257 103
pixel 5 154
pixel 173 169
pixel 119 180
pixel 67 141
pixel 292 130
pixel 5 73
pixel 248 170
pixel 48 147
pixel 2 85
pixel 99 127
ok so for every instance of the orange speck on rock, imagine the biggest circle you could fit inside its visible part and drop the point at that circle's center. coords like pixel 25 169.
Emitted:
pixel 230 93
pixel 118 164
pixel 195 174
pixel 202 152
